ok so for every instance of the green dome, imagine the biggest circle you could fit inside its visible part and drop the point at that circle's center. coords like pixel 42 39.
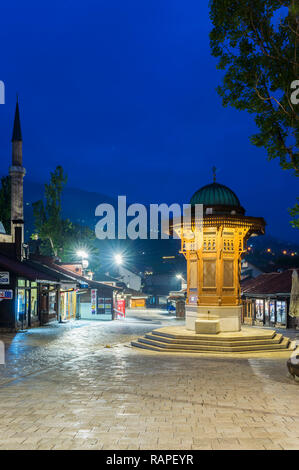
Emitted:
pixel 215 194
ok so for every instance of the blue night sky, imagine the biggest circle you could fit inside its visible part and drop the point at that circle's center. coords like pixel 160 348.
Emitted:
pixel 121 93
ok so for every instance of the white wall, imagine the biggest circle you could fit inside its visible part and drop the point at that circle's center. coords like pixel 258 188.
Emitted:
pixel 132 281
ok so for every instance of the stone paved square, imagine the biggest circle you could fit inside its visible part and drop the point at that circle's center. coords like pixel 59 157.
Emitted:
pixel 82 386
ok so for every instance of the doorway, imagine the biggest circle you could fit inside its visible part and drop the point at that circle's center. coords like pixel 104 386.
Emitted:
pixel 270 316
pixel 23 307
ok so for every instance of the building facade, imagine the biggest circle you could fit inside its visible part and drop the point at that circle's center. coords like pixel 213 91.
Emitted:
pixel 35 290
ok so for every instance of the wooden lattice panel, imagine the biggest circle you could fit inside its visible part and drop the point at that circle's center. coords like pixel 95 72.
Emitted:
pixel 228 244
pixel 209 244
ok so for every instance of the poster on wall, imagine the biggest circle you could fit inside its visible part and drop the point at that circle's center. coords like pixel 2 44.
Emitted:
pixel 6 294
pixel 108 306
pixel 93 294
pixel 4 277
pixel 104 306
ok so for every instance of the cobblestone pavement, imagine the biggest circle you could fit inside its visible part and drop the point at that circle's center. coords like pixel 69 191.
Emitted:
pixel 62 388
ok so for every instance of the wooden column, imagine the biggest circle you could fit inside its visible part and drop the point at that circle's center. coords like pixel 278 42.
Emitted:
pixel 58 297
pixel 219 264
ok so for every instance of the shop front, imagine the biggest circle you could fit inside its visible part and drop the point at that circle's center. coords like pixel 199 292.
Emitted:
pixel 86 299
pixel 34 294
pixel 266 300
pixel 81 297
pixel 22 309
pixel 266 312
pixel 96 303
pixel 138 302
pixel 27 303
pixel 36 303
pixel 157 301
pixel 68 302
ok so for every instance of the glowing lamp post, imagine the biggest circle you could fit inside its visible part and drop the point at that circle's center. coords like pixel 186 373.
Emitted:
pixel 83 255
pixel 118 259
pixel 181 278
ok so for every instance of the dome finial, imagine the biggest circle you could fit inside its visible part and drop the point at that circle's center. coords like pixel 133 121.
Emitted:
pixel 214 174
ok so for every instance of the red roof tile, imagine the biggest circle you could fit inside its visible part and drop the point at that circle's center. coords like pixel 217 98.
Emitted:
pixel 269 283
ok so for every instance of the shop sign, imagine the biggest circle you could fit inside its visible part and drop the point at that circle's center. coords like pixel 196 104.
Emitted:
pixel 93 294
pixel 67 287
pixel 104 306
pixel 6 294
pixel 4 277
pixel 83 285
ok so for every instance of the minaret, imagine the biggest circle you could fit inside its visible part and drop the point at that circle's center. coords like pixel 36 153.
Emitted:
pixel 17 173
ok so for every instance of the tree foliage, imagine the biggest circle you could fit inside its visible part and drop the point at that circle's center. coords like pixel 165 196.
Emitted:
pixel 5 202
pixel 295 214
pixel 50 226
pixel 257 43
pixel 60 237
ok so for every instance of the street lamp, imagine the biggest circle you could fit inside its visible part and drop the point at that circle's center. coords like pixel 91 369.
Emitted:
pixel 83 255
pixel 180 277
pixel 118 259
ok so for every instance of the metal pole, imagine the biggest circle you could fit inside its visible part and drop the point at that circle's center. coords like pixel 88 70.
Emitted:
pixel 58 305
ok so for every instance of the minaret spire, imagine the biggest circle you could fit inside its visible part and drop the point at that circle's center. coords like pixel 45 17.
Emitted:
pixel 17 134
pixel 17 173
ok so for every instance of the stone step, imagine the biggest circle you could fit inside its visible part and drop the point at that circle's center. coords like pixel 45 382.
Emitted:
pixel 155 345
pixel 266 336
pixel 213 340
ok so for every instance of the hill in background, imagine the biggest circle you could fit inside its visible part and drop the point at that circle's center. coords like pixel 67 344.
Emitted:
pixel 79 206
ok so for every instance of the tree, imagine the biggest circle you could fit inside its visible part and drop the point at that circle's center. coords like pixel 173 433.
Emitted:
pixel 295 213
pixel 257 43
pixel 80 238
pixel 50 226
pixel 60 237
pixel 5 202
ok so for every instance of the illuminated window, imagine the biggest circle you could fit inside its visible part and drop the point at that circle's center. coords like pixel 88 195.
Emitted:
pixel 34 302
pixel 281 309
pixel 259 309
pixel 21 304
pixel 272 311
pixel 52 301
